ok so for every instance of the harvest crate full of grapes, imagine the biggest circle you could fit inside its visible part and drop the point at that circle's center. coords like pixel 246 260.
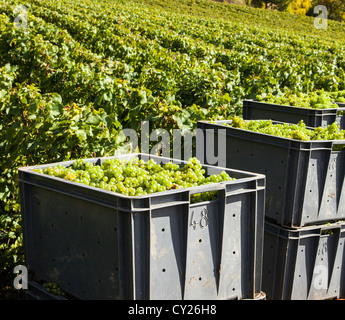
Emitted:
pixel 304 166
pixel 144 227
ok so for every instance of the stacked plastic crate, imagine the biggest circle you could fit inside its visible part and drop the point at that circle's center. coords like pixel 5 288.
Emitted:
pixel 97 244
pixel 305 203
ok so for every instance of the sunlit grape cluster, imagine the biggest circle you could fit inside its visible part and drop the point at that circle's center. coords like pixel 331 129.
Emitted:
pixel 338 96
pixel 290 131
pixel 135 177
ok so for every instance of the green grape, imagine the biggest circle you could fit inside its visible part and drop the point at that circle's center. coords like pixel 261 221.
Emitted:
pixel 290 131
pixel 312 100
pixel 54 288
pixel 137 178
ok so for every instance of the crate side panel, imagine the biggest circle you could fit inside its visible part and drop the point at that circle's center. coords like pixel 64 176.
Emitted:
pixel 271 249
pixel 342 266
pixel 323 270
pixel 272 161
pixel 71 244
pixel 140 235
pixel 168 252
pixel 331 190
pixel 233 271
pixel 340 187
pixel 202 264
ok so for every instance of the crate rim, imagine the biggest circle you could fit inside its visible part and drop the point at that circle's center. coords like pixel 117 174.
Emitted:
pixel 303 232
pixel 338 106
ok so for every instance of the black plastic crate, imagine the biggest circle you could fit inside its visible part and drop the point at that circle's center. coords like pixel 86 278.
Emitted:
pixel 255 110
pixel 97 244
pixel 308 263
pixel 304 179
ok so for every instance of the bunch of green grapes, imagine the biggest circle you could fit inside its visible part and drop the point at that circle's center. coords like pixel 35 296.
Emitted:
pixel 313 100
pixel 290 131
pixel 136 177
pixel 338 96
pixel 54 288
pixel 205 196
